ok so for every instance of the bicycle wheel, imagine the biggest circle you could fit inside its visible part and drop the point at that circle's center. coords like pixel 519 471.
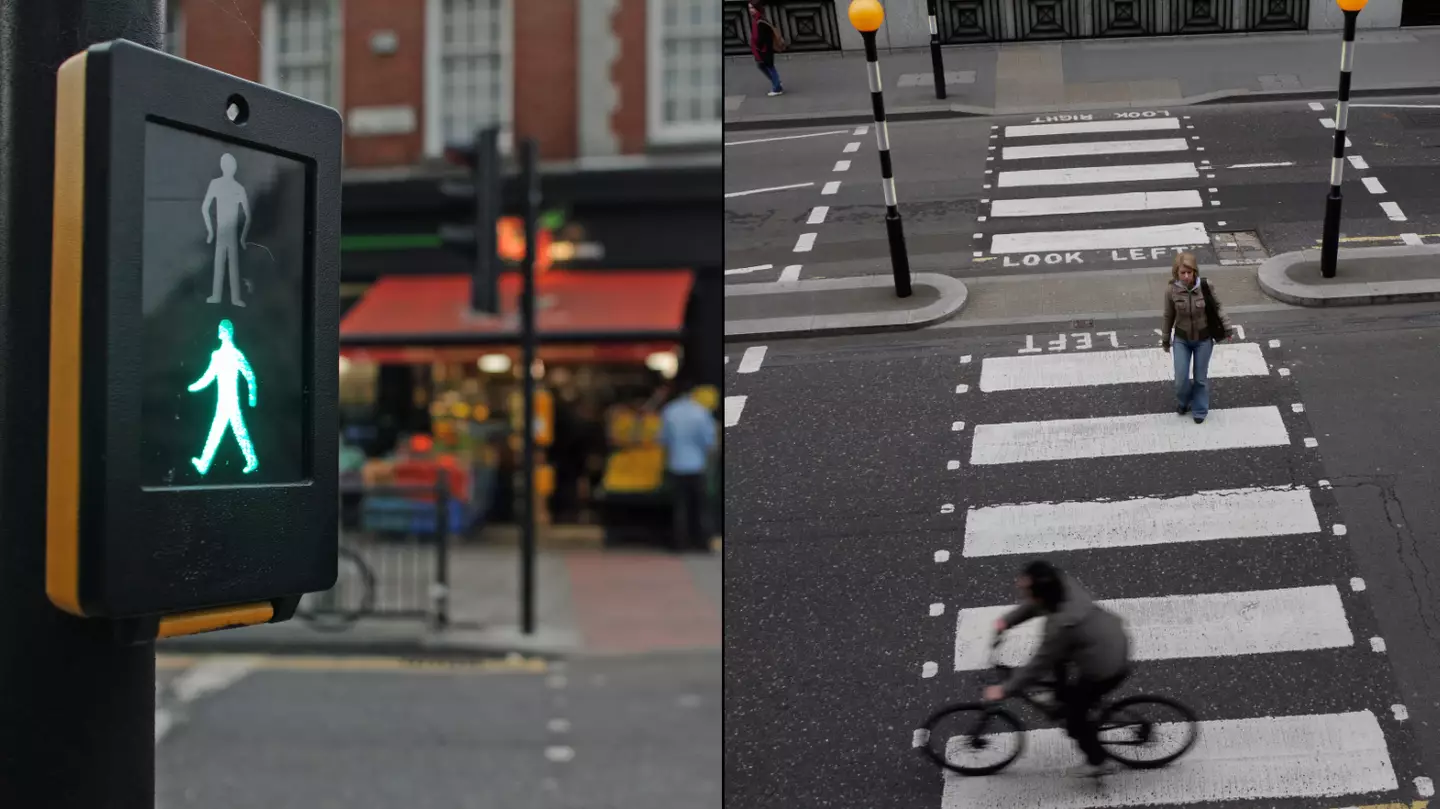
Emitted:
pixel 962 736
pixel 352 597
pixel 1146 732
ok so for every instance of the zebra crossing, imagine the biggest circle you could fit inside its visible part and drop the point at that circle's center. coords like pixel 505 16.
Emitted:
pixel 748 363
pixel 1096 188
pixel 1219 545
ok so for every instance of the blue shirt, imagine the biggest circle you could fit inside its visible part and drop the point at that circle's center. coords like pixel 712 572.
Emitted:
pixel 687 431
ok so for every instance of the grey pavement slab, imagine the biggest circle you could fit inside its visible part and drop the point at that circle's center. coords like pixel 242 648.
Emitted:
pixel 1086 75
pixel 838 306
pixel 1362 276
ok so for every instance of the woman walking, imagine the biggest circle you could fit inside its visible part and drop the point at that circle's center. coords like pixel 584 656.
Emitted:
pixel 1194 322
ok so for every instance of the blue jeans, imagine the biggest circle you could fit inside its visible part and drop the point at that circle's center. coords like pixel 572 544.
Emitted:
pixel 773 74
pixel 1195 394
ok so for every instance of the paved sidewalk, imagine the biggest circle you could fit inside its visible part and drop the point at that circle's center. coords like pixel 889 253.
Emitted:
pixel 755 311
pixel 830 88
pixel 1366 275
pixel 588 602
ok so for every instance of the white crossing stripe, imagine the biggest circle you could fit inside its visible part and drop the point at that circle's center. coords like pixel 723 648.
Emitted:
pixel 805 243
pixel 1099 147
pixel 1412 239
pixel 1051 371
pixel 1097 203
pixel 1113 436
pixel 1183 626
pixel 753 359
pixel 1315 756
pixel 1358 162
pixel 1034 528
pixel 1056 241
pixel 1099 174
pixel 1392 209
pixel 1373 185
pixel 734 406
pixel 1090 127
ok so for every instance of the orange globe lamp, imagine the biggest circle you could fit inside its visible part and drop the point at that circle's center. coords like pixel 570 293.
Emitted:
pixel 866 15
pixel 1351 5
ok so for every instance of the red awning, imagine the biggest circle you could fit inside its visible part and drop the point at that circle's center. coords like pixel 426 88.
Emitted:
pixel 571 306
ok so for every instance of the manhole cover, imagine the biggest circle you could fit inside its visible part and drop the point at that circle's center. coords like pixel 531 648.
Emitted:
pixel 1423 119
pixel 1236 247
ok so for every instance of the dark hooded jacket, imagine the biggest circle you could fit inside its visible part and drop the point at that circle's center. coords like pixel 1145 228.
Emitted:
pixel 1080 633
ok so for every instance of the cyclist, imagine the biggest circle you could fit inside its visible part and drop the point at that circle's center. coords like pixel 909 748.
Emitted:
pixel 1079 638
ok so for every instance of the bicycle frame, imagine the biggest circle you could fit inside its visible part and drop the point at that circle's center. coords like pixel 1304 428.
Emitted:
pixel 1052 710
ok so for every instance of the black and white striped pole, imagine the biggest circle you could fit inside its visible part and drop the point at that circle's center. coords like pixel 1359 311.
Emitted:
pixel 1330 247
pixel 937 64
pixel 866 16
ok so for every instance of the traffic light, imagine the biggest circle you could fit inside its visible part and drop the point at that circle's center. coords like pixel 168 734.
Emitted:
pixel 193 460
pixel 479 196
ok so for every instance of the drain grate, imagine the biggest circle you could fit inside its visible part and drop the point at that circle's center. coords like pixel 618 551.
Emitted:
pixel 1237 247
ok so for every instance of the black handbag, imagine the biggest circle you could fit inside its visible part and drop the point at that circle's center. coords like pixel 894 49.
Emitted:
pixel 1213 323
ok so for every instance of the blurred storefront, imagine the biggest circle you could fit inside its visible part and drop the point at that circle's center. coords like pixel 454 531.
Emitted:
pixel 629 299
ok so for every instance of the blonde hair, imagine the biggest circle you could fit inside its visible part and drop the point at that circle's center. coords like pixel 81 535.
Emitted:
pixel 1186 260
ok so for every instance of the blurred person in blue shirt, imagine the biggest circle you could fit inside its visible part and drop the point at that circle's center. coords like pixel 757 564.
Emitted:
pixel 689 435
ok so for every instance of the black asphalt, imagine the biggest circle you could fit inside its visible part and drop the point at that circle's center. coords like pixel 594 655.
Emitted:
pixel 940 177
pixel 835 478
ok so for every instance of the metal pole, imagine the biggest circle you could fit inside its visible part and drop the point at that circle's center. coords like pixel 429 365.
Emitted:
pixel 899 259
pixel 77 722
pixel 1330 248
pixel 936 62
pixel 528 340
pixel 484 287
pixel 440 591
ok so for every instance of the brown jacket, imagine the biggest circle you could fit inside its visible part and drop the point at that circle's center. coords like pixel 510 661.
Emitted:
pixel 1185 312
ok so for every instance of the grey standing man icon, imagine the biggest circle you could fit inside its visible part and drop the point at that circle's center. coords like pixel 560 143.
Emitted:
pixel 230 199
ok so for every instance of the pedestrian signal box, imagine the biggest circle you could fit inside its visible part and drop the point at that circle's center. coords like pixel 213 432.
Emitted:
pixel 193 453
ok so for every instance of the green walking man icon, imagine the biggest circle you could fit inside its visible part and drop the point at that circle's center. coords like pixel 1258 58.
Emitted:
pixel 226 365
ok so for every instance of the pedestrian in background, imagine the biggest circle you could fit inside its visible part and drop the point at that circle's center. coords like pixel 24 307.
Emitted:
pixel 765 42
pixel 1194 322
pixel 689 435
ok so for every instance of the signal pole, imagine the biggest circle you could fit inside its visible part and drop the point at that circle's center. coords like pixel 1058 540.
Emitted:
pixel 77 724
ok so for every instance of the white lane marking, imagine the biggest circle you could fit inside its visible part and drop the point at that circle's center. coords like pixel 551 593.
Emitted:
pixel 937 609
pixel 1424 787
pixel 962 388
pixel 1090 127
pixel 210 676
pixel 1357 584
pixel 1028 528
pixel 1328 123
pixel 921 738
pixel 929 669
pixel 1099 174
pixel 957 426
pixel 831 187
pixel 1322 755
pixel 1412 239
pixel 805 243
pixel 1400 713
pixel 164 723
pixel 1099 147
pixel 558 725
pixel 1184 626
pixel 952 465
pixel 860 130
pixel 559 753
pixel 1377 645
pixel 785 137
pixel 1372 184
pixel 1400 106
pixel 1317 106
pixel 747 270
pixel 1339 529
pixel 1057 241
pixel 753 359
pixel 1259 165
pixel 766 190
pixel 1284 371
pixel 790 274
pixel 942 556
pixel 1097 203
pixel 948 508
pixel 1358 162
pixel 1112 436
pixel 852 147
pixel 842 165
pixel 817 215
pixel 1311 443
pixel 734 406
pixel 1392 209
pixel 1051 371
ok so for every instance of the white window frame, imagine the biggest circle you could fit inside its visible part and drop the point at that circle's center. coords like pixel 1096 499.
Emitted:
pixel 269 58
pixel 434 74
pixel 657 130
pixel 175 35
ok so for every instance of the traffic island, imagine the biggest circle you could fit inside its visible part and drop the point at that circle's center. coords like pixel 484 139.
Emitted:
pixel 835 306
pixel 1365 275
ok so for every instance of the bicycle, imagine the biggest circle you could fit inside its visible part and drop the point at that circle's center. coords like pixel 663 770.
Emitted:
pixel 352 597
pixel 986 724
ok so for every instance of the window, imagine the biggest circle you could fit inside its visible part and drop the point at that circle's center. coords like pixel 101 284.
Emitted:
pixel 684 71
pixel 174 30
pixel 468 70
pixel 300 47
